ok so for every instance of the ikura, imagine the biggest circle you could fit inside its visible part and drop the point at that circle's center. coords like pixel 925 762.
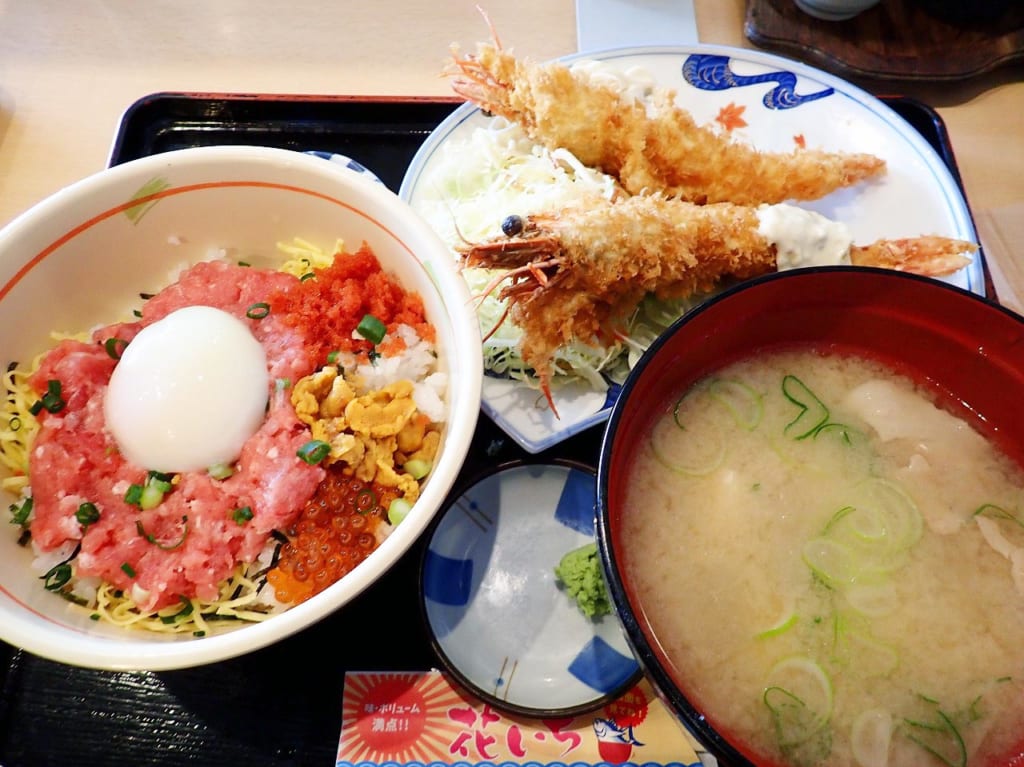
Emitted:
pixel 336 530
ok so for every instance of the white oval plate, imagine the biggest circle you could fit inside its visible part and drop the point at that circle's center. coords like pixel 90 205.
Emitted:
pixel 499 619
pixel 781 102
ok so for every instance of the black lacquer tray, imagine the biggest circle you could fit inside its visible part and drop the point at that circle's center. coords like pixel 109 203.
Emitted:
pixel 280 706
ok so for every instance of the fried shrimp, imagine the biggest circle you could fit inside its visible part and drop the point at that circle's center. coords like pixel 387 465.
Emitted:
pixel 578 273
pixel 655 148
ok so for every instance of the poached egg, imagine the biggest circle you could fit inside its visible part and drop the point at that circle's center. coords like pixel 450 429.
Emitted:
pixel 188 391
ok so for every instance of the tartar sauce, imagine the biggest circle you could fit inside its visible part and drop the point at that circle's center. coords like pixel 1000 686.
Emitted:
pixel 803 237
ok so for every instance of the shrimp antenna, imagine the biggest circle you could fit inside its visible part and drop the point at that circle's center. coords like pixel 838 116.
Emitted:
pixel 490 26
pixel 498 324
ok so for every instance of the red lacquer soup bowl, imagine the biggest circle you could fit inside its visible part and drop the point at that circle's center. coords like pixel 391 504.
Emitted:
pixel 966 350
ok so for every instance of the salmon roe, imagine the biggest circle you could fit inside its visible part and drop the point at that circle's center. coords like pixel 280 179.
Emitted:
pixel 336 530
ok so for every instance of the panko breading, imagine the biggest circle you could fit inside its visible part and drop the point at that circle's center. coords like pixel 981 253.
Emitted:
pixel 667 153
pixel 575 273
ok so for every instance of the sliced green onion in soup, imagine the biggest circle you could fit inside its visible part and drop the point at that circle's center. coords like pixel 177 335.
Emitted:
pixel 939 737
pixel 875 600
pixel 802 679
pixel 744 403
pixel 902 519
pixel 833 562
pixel 813 413
pixel 779 628
pixel 870 737
pixel 869 656
pixel 680 452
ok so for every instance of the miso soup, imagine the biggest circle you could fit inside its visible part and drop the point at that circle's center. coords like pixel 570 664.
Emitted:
pixel 833 563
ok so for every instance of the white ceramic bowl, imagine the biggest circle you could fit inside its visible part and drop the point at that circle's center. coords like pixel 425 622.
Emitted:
pixel 78 259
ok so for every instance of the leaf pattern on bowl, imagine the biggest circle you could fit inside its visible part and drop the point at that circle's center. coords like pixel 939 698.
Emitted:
pixel 146 191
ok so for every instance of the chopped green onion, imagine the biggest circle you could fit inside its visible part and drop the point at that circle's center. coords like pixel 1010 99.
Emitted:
pixel 332 357
pixel 14 424
pixel 258 310
pixel 128 570
pixel 221 470
pixel 160 480
pixel 20 513
pixel 150 538
pixel 781 627
pixel 745 404
pixel 314 451
pixel 52 401
pixel 133 495
pixel 694 458
pixel 242 515
pixel 996 512
pixel 244 263
pixel 115 347
pixel 417 468
pixel 87 514
pixel 813 414
pixel 307 276
pixel 56 577
pixel 280 384
pixel 184 612
pixel 940 739
pixel 372 329
pixel 398 510
pixel 151 496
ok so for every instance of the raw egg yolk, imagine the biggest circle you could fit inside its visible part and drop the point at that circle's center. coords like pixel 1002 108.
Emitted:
pixel 188 391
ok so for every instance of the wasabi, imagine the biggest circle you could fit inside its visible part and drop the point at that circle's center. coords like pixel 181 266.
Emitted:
pixel 579 572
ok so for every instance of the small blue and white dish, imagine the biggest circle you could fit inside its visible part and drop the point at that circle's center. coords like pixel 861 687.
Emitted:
pixel 500 622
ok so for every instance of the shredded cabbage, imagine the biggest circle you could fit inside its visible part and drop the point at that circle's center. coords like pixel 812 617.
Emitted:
pixel 497 171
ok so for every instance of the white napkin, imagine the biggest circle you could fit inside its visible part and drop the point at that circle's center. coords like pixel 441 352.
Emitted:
pixel 1001 231
pixel 604 24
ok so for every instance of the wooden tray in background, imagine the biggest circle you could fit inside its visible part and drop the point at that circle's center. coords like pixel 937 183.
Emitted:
pixel 895 40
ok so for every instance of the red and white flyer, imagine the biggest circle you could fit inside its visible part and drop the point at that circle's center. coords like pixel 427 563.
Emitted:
pixel 412 719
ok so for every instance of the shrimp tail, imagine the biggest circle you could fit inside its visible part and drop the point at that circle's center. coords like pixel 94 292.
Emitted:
pixel 929 256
